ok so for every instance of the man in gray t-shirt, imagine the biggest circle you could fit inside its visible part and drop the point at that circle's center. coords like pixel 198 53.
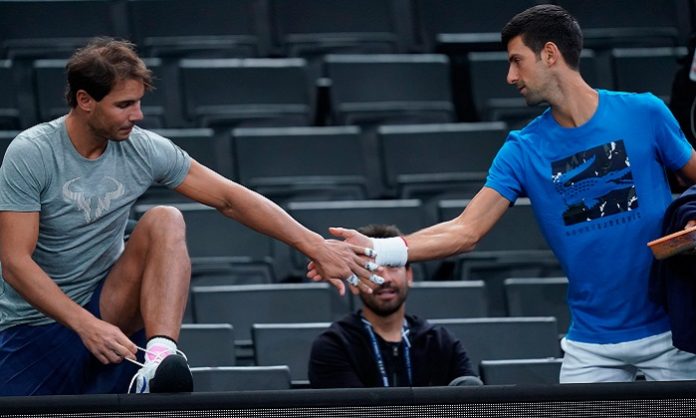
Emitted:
pixel 72 292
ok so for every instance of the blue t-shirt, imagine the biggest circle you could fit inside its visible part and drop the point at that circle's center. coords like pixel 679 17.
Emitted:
pixel 599 192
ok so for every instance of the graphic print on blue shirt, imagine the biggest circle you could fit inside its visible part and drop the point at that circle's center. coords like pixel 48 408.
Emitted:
pixel 595 183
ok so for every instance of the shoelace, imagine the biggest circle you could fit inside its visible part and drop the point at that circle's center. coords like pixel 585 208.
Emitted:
pixel 158 359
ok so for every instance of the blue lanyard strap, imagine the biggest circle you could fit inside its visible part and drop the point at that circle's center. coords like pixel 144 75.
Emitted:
pixel 377 354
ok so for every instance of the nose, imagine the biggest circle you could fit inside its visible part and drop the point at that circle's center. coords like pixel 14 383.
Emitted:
pixel 137 113
pixel 512 76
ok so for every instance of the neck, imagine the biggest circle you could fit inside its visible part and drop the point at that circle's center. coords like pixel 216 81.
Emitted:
pixel 388 327
pixel 86 143
pixel 574 102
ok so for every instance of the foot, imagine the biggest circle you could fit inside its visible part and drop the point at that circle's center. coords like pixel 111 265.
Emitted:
pixel 169 375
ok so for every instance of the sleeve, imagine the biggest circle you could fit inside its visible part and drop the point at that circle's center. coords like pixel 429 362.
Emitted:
pixel 22 177
pixel 503 176
pixel 673 149
pixel 460 364
pixel 170 164
pixel 329 364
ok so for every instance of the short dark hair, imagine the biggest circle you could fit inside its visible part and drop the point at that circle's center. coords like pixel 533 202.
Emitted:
pixel 103 62
pixel 381 231
pixel 547 23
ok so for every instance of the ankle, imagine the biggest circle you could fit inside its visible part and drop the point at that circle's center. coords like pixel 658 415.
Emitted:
pixel 158 348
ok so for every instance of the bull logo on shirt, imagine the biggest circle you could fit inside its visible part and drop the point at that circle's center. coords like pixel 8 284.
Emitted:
pixel 93 200
pixel 595 183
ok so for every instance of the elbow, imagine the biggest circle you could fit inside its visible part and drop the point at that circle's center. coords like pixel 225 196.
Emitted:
pixel 469 239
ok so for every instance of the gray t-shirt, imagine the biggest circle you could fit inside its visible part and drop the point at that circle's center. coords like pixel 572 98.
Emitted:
pixel 84 204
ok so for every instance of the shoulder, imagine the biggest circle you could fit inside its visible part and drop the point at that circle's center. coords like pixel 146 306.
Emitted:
pixel 37 140
pixel 632 101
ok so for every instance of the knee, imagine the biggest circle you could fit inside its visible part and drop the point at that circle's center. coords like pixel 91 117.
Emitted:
pixel 164 221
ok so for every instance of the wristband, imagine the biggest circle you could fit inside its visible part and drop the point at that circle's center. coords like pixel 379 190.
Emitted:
pixel 390 251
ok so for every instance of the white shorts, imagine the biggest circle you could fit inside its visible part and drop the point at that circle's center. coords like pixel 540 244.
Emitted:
pixel 655 356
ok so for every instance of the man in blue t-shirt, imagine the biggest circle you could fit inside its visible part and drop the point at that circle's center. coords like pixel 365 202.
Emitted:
pixel 593 166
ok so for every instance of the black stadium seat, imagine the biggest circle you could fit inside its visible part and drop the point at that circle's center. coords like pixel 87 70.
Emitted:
pixel 646 69
pixel 302 163
pixel 308 28
pixel 241 378
pixel 207 344
pixel 246 92
pixel 422 161
pixel 201 28
pixel 9 111
pixel 389 89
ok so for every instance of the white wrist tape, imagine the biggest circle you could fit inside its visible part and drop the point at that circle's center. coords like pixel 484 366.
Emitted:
pixel 390 251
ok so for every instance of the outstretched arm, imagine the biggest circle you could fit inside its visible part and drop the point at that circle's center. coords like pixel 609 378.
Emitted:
pixel 445 239
pixel 335 260
pixel 17 243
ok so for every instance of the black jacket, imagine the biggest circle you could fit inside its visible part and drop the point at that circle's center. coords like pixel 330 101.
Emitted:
pixel 673 282
pixel 342 355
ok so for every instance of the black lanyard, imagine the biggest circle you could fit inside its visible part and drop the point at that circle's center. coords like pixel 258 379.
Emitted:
pixel 378 354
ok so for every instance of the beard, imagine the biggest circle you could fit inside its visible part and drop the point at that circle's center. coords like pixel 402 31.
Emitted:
pixel 386 308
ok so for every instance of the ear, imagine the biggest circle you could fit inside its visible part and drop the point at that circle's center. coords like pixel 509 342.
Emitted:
pixel 84 101
pixel 550 54
pixel 409 276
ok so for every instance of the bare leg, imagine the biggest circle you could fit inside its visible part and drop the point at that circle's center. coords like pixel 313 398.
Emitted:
pixel 148 286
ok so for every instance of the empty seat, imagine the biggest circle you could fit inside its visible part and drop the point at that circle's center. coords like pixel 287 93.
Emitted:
pixel 613 23
pixel 296 342
pixel 539 297
pixel 202 28
pixel 5 138
pixel 646 69
pixel 521 372
pixel 246 92
pixel 302 163
pixel 389 89
pixel 213 151
pixel 505 338
pixel 213 239
pixel 422 161
pixel 54 28
pixel 317 27
pixel 466 24
pixel 9 109
pixel 226 379
pixel 208 344
pixel 446 299
pixel 245 305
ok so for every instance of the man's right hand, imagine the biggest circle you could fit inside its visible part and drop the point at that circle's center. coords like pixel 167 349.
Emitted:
pixel 106 341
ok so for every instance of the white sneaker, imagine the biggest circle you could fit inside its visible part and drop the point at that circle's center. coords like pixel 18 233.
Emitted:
pixel 163 375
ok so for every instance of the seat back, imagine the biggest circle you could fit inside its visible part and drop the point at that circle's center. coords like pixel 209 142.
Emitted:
pixel 292 163
pixel 316 27
pixel 539 297
pixel 544 371
pixel 234 379
pixel 505 338
pixel 9 110
pixel 389 89
pixel 244 305
pixel 435 156
pixel 246 92
pixel 296 342
pixel 208 344
pixel 204 28
pixel 646 69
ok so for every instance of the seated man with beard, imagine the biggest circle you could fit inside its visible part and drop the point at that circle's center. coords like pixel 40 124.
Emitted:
pixel 381 346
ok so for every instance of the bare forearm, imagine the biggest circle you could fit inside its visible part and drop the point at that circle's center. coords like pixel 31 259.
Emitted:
pixel 263 215
pixel 442 240
pixel 34 285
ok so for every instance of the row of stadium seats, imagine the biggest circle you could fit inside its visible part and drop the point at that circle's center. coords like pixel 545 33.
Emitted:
pixel 314 27
pixel 366 90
